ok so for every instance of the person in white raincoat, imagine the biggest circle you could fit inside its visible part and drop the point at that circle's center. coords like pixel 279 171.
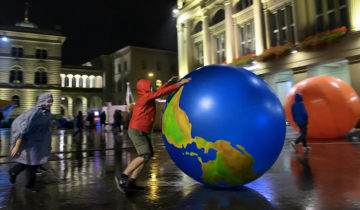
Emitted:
pixel 31 140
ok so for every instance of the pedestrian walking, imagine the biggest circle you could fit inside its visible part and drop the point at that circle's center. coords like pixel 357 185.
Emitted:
pixel 102 119
pixel 142 120
pixel 79 124
pixel 300 117
pixel 31 140
pixel 118 120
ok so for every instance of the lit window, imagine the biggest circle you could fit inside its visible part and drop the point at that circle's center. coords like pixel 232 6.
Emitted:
pixel 282 26
pixel 158 83
pixel 199 54
pixel 330 14
pixel 220 48
pixel 247 38
pixel 16 76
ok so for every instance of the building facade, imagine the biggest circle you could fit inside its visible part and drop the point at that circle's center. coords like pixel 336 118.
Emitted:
pixel 129 64
pixel 81 90
pixel 219 31
pixel 30 63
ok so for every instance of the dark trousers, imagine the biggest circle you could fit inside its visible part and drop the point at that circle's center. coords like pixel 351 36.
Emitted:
pixel 30 173
pixel 302 137
pixel 79 130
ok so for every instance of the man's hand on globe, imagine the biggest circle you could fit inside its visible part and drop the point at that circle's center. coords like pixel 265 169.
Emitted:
pixel 183 81
pixel 173 79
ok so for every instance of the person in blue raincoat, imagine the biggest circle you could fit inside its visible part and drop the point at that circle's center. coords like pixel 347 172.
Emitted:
pixel 300 117
pixel 31 140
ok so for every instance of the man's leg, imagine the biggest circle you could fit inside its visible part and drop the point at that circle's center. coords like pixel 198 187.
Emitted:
pixel 31 176
pixel 14 171
pixel 134 165
pixel 140 141
pixel 302 137
pixel 304 133
pixel 137 171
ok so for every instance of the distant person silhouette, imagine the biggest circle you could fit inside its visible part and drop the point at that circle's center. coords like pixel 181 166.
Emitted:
pixel 300 117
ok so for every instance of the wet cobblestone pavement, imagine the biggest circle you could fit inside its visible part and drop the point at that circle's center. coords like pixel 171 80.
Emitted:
pixel 80 175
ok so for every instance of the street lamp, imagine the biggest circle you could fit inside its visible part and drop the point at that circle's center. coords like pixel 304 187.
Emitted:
pixel 4 38
pixel 175 12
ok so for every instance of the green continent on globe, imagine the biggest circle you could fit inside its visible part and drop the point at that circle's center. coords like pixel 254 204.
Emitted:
pixel 232 166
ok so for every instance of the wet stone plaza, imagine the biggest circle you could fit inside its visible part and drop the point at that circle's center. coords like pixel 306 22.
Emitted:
pixel 80 175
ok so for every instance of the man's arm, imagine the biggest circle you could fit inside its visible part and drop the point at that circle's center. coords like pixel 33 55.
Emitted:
pixel 168 89
pixel 16 148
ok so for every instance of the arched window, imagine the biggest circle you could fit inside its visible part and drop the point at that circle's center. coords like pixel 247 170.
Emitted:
pixel 66 81
pixel 16 100
pixel 87 82
pixel 81 82
pixel 243 4
pixel 16 76
pixel 40 77
pixel 198 27
pixel 218 17
pixel 74 82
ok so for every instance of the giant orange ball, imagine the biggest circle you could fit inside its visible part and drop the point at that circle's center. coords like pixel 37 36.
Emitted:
pixel 332 105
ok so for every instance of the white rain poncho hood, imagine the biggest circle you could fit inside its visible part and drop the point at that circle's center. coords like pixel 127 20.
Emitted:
pixel 43 98
pixel 32 127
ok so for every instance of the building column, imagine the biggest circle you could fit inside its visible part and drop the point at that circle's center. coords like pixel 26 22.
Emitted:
pixel 84 77
pixel 267 29
pixel 77 80
pixel 70 76
pixel 229 35
pixel 70 106
pixel 206 38
pixel 62 77
pixel 258 27
pixel 187 46
pixel 91 81
pixel 84 105
pixel 182 71
pixel 354 14
pixel 236 40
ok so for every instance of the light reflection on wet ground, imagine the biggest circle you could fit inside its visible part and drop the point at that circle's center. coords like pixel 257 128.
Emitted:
pixel 81 176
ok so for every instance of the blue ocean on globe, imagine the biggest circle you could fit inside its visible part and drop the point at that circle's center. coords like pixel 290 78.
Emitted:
pixel 225 127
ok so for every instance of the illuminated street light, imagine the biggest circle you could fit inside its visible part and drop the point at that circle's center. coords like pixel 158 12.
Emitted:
pixel 4 38
pixel 151 74
pixel 175 11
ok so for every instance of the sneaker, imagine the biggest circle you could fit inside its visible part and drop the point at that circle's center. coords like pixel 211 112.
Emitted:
pixel 306 149
pixel 121 184
pixel 12 177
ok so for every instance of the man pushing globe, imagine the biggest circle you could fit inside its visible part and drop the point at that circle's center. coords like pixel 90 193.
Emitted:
pixel 225 128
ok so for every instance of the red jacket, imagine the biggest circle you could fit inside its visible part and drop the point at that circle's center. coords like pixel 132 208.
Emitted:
pixel 143 116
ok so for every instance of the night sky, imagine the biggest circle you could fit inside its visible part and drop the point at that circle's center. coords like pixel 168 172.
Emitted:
pixel 95 27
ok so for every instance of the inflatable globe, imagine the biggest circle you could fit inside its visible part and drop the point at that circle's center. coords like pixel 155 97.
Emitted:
pixel 332 105
pixel 225 127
